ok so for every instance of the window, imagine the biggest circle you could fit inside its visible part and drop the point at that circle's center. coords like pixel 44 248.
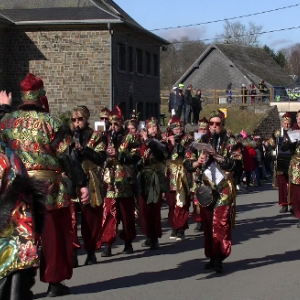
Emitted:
pixel 130 104
pixel 140 110
pixel 155 65
pixel 148 63
pixel 122 57
pixel 122 106
pixel 130 59
pixel 156 110
pixel 148 110
pixel 139 61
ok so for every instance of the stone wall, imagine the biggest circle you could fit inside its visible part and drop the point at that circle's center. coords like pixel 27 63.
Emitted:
pixel 76 69
pixel 269 123
pixel 74 65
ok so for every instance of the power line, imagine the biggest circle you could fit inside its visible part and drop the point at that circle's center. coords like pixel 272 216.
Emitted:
pixel 250 34
pixel 227 19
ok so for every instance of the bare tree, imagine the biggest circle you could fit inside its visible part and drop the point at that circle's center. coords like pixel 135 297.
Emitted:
pixel 292 55
pixel 179 56
pixel 239 34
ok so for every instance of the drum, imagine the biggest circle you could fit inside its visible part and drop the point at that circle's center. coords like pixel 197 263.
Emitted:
pixel 283 158
pixel 205 196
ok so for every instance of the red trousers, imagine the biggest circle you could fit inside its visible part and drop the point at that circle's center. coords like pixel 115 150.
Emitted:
pixel 150 217
pixel 125 208
pixel 295 199
pixel 57 250
pixel 91 227
pixel 217 231
pixel 178 216
pixel 196 217
pixel 283 185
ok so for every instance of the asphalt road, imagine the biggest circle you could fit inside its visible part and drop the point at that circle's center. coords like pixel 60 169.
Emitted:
pixel 264 262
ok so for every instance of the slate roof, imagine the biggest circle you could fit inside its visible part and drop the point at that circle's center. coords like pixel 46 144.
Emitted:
pixel 37 12
pixel 253 62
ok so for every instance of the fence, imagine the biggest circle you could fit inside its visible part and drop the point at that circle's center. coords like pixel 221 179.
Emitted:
pixel 215 96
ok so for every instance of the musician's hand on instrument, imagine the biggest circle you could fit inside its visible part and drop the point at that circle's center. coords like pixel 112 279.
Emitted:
pixel 143 134
pixel 85 195
pixel 172 140
pixel 202 159
pixel 111 151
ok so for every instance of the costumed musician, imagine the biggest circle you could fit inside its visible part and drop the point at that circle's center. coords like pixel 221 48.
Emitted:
pixel 282 162
pixel 34 135
pixel 119 199
pixel 216 199
pixel 196 216
pixel 294 174
pixel 89 148
pixel 22 210
pixel 131 127
pixel 153 182
pixel 178 195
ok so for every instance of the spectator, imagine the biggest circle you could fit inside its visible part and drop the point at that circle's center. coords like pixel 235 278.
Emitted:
pixel 197 106
pixel 258 162
pixel 180 101
pixel 188 103
pixel 244 92
pixel 248 160
pixel 237 155
pixel 264 90
pixel 229 93
pixel 172 101
pixel 268 158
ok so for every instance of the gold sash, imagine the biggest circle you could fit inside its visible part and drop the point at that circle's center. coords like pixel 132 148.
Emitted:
pixel 182 186
pixel 94 183
pixel 232 194
pixel 44 175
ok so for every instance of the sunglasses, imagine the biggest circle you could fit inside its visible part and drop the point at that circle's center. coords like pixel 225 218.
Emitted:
pixel 214 123
pixel 102 118
pixel 80 119
pixel 115 123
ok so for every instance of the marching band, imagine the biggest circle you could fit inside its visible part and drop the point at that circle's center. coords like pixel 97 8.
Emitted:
pixel 120 174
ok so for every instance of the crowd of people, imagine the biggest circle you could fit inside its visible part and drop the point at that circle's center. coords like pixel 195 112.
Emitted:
pixel 185 104
pixel 114 179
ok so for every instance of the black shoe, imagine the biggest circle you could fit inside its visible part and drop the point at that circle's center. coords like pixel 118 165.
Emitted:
pixel 173 234
pixel 58 289
pixel 128 248
pixel 199 227
pixel 284 209
pixel 91 259
pixel 147 243
pixel 75 259
pixel 180 235
pixel 218 265
pixel 106 251
pixel 154 244
pixel 209 265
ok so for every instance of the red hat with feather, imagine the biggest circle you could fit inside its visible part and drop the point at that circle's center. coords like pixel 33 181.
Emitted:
pixel 175 122
pixel 116 115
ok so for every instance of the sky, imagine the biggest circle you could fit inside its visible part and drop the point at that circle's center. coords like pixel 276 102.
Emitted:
pixel 155 14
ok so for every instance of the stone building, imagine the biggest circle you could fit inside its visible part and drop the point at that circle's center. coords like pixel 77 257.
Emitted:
pixel 87 53
pixel 222 64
